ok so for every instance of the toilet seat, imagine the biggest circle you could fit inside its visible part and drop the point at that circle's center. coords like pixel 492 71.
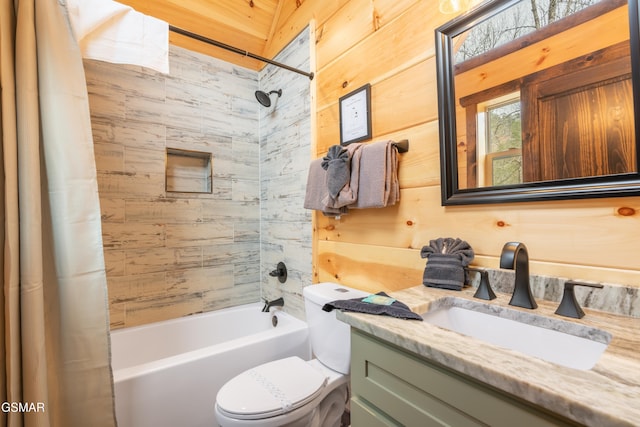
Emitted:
pixel 271 389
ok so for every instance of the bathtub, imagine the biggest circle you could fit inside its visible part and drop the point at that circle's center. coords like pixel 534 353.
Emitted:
pixel 167 374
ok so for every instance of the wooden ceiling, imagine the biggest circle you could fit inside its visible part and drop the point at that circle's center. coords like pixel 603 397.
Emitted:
pixel 249 25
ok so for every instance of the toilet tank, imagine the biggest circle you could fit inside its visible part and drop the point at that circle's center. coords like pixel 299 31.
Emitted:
pixel 330 338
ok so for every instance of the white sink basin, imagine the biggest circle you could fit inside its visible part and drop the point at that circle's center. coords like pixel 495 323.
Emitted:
pixel 554 340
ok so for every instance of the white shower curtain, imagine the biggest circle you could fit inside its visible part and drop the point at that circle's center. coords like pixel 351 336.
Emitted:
pixel 54 366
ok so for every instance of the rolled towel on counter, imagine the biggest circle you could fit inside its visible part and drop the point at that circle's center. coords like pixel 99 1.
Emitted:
pixel 444 271
pixel 360 305
pixel 447 258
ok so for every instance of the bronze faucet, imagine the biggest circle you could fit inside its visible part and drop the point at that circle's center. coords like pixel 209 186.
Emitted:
pixel 515 257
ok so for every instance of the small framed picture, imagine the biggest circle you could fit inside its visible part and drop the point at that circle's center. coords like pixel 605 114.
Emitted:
pixel 355 115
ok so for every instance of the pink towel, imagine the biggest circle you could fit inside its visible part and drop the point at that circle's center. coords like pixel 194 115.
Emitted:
pixel 317 191
pixel 378 186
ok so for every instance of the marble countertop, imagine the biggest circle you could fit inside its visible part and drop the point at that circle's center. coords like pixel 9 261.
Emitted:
pixel 606 395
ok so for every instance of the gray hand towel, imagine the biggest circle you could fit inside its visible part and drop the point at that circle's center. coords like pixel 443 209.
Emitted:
pixel 444 271
pixel 349 193
pixel 447 258
pixel 338 167
pixel 449 245
pixel 395 309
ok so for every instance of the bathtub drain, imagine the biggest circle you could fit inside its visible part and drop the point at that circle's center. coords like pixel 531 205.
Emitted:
pixel 274 320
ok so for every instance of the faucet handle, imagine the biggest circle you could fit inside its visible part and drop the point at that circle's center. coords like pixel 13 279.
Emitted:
pixel 484 290
pixel 569 306
pixel 280 272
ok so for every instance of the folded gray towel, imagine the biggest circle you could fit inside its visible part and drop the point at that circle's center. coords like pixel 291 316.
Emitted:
pixel 338 167
pixel 349 193
pixel 449 245
pixel 444 271
pixel 395 309
pixel 447 258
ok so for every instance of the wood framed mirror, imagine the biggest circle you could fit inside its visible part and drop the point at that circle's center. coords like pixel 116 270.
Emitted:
pixel 539 100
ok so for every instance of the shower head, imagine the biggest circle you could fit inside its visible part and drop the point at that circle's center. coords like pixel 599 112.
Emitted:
pixel 264 98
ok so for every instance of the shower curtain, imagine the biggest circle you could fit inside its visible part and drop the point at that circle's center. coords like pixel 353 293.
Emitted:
pixel 54 355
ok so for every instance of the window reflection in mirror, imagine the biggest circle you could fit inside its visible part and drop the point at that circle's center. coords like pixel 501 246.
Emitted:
pixel 499 141
pixel 544 93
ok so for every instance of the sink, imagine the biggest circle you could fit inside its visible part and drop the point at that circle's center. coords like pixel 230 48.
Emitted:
pixel 554 340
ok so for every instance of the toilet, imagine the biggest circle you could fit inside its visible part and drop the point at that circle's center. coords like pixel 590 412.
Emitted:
pixel 292 392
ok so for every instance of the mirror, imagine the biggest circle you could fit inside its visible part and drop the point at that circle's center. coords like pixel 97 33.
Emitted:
pixel 536 101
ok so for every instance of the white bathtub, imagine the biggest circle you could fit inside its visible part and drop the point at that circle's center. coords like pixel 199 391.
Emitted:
pixel 167 374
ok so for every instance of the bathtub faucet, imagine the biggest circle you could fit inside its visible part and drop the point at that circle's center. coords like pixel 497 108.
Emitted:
pixel 275 303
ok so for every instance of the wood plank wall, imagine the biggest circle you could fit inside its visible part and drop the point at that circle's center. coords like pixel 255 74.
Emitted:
pixel 390 44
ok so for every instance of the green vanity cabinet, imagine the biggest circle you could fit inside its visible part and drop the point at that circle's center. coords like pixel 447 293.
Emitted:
pixel 394 387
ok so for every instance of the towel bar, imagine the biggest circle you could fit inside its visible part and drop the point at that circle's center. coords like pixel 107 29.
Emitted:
pixel 402 146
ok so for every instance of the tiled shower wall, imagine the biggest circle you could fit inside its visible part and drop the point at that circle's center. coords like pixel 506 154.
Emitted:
pixel 174 254
pixel 285 141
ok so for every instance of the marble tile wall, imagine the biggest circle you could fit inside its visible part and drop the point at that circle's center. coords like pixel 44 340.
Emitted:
pixel 174 254
pixel 285 153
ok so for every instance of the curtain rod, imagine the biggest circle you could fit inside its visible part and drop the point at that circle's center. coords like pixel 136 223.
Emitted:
pixel 237 50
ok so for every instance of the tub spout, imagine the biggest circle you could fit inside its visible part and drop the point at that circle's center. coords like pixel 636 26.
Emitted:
pixel 515 257
pixel 275 303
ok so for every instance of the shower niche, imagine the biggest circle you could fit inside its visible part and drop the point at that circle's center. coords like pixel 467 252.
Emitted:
pixel 188 171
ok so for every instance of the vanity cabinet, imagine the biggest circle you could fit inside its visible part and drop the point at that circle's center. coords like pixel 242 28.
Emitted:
pixel 393 387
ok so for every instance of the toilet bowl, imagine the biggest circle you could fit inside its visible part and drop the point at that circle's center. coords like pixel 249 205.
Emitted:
pixel 292 392
pixel 288 392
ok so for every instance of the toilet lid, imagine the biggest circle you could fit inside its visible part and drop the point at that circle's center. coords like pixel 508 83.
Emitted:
pixel 270 389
